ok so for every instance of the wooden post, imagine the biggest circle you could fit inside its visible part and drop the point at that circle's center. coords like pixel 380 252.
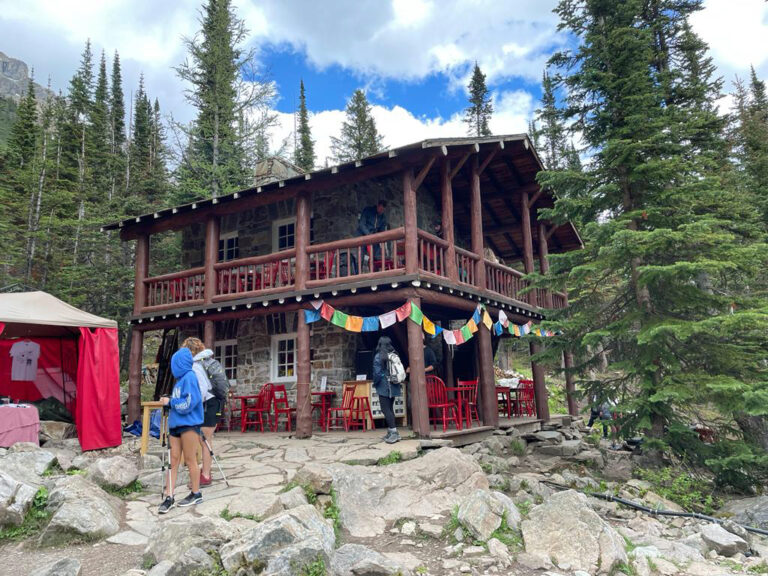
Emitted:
pixel 544 261
pixel 140 273
pixel 211 256
pixel 209 334
pixel 134 375
pixel 541 395
pixel 410 223
pixel 303 365
pixel 418 383
pixel 476 212
pixel 447 220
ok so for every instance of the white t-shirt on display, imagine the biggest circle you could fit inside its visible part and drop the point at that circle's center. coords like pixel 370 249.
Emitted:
pixel 25 354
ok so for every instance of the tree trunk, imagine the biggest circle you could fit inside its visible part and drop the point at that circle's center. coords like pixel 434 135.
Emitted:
pixel 36 218
pixel 755 428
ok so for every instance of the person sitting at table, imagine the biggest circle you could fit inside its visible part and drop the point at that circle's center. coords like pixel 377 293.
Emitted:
pixel 385 387
pixel 373 219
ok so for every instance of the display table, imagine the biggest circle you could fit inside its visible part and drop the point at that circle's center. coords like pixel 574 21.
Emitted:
pixel 18 423
pixel 365 389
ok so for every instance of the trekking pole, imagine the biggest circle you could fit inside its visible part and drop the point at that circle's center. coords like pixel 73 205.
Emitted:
pixel 166 444
pixel 210 451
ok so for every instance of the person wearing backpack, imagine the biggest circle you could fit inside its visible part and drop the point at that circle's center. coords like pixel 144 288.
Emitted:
pixel 388 378
pixel 214 388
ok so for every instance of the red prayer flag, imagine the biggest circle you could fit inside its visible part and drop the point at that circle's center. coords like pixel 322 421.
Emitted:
pixel 403 312
pixel 326 311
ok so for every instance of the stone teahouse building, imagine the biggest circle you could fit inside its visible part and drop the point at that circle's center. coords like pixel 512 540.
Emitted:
pixel 253 260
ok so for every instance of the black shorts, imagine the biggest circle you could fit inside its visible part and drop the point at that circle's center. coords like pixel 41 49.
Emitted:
pixel 212 409
pixel 179 430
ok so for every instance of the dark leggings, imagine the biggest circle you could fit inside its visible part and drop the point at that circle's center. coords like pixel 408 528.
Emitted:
pixel 388 407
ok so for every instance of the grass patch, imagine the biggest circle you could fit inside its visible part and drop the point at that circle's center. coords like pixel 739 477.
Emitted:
pixel 34 521
pixel 517 447
pixel 453 523
pixel 629 546
pixel 525 508
pixel 227 515
pixel 333 512
pixel 623 568
pixel 75 472
pixel 675 484
pixel 132 488
pixel 316 568
pixel 421 570
pixel 392 458
pixel 217 570
pixel 53 470
pixel 513 539
pixel 308 491
pixel 761 568
pixel 487 468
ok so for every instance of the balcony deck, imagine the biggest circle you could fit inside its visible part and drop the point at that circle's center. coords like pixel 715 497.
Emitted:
pixel 342 264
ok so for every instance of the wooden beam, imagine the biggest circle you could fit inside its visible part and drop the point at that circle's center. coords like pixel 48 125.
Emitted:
pixel 447 221
pixel 303 365
pixel 141 270
pixel 423 173
pixel 488 158
pixel 535 198
pixel 476 212
pixel 211 256
pixel 410 222
pixel 418 385
pixel 464 158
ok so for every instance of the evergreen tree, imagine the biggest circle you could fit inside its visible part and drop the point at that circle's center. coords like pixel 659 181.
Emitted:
pixel 117 127
pixel 669 250
pixel 213 70
pixel 359 137
pixel 304 155
pixel 100 132
pixel 24 131
pixel 478 113
pixel 551 136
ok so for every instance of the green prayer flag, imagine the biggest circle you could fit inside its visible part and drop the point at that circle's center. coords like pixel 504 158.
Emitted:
pixel 339 319
pixel 416 314
pixel 466 332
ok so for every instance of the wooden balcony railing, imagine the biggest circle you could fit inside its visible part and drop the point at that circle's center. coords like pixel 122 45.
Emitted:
pixel 432 253
pixel 370 256
pixel 504 280
pixel 376 255
pixel 171 290
pixel 257 274
pixel 465 264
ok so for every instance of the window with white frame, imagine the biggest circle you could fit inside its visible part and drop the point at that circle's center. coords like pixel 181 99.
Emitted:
pixel 225 352
pixel 284 233
pixel 284 358
pixel 229 246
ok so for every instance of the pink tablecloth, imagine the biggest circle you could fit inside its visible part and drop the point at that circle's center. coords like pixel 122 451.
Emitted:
pixel 18 424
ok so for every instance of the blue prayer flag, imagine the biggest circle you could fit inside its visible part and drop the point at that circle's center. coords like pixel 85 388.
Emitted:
pixel 311 316
pixel 498 329
pixel 371 324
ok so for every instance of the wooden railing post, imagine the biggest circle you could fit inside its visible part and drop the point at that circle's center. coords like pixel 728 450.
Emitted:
pixel 303 366
pixel 446 190
pixel 141 272
pixel 418 382
pixel 476 212
pixel 410 223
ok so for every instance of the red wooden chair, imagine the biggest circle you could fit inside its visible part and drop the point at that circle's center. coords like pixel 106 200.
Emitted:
pixel 230 413
pixel 527 404
pixel 473 413
pixel 253 414
pixel 343 414
pixel 281 407
pixel 437 399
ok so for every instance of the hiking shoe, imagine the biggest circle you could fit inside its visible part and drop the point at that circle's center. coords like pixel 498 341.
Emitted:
pixel 392 438
pixel 166 506
pixel 191 500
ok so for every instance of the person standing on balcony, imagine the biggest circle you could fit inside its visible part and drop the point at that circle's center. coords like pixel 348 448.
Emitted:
pixel 373 219
pixel 388 375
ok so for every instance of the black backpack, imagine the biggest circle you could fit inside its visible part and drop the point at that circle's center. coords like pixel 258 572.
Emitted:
pixel 218 378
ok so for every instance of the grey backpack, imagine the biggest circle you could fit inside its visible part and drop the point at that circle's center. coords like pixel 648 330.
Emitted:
pixel 218 378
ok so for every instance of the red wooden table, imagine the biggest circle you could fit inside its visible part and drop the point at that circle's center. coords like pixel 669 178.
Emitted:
pixel 463 396
pixel 324 403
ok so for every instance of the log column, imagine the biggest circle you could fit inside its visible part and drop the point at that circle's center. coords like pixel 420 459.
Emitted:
pixel 446 191
pixel 211 257
pixel 303 365
pixel 487 385
pixel 137 337
pixel 418 384
pixel 539 384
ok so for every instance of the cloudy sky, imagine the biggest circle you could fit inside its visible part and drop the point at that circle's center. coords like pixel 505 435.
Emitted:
pixel 412 56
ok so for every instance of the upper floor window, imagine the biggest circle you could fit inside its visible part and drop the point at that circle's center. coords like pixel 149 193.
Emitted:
pixel 229 247
pixel 283 234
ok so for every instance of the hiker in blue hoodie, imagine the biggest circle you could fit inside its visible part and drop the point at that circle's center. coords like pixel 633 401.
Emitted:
pixel 184 420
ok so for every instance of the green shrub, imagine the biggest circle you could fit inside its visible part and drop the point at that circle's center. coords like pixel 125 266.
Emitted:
pixel 517 447
pixel 227 515
pixel 333 512
pixel 675 484
pixel 132 488
pixel 308 491
pixel 392 458
pixel 316 568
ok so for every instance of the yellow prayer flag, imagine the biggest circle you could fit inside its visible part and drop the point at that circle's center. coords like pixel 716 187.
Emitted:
pixel 428 325
pixel 472 326
pixel 487 319
pixel 354 324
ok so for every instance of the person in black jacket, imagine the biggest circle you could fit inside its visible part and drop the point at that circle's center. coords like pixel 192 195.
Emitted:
pixel 385 388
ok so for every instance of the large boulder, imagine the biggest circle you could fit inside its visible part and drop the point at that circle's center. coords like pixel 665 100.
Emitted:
pixel 171 538
pixel 722 541
pixel 316 476
pixel 748 511
pixel 294 538
pixel 482 511
pixel 81 510
pixel 15 499
pixel 116 472
pixel 27 466
pixel 370 498
pixel 358 560
pixel 62 567
pixel 51 430
pixel 564 530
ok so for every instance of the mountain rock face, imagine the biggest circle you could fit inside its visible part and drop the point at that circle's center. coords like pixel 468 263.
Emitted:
pixel 14 75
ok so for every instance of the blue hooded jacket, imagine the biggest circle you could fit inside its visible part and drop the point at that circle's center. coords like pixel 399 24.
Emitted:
pixel 186 402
